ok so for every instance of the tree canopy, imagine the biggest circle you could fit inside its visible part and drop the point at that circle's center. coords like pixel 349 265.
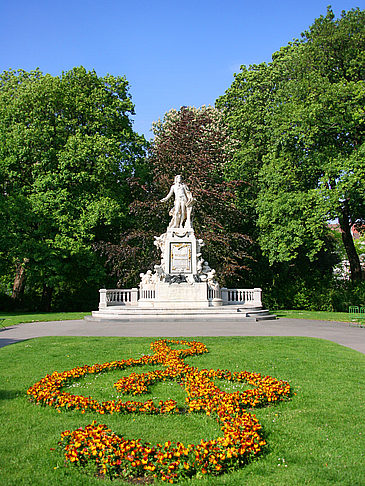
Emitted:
pixel 66 148
pixel 194 143
pixel 300 120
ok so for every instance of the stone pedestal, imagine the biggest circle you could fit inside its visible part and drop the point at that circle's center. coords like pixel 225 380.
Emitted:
pixel 177 296
pixel 183 279
pixel 180 252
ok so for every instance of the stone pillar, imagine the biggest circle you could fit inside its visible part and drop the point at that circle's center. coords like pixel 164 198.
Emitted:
pixel 224 294
pixel 102 299
pixel 216 302
pixel 257 297
pixel 134 296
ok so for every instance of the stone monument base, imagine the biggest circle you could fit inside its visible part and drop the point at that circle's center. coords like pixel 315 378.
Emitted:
pixel 177 296
pixel 183 284
pixel 127 313
pixel 135 304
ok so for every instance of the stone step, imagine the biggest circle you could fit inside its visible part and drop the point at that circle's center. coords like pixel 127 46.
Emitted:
pixel 221 309
pixel 130 313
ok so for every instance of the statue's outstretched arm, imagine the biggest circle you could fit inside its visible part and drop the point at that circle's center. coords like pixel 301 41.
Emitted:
pixel 168 195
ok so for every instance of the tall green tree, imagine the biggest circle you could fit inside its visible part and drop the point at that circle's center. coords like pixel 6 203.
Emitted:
pixel 245 110
pixel 318 140
pixel 307 141
pixel 66 148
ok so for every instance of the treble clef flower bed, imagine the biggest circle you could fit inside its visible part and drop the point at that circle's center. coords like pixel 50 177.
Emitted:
pixel 116 456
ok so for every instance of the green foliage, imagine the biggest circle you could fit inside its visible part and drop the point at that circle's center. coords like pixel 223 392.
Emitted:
pixel 315 153
pixel 312 292
pixel 66 150
pixel 300 121
pixel 244 106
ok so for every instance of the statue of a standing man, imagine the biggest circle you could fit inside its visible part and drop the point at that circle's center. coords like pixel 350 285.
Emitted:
pixel 183 204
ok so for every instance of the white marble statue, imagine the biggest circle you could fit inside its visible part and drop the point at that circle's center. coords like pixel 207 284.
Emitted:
pixel 160 242
pixel 181 212
pixel 159 272
pixel 146 278
pixel 179 267
pixel 213 284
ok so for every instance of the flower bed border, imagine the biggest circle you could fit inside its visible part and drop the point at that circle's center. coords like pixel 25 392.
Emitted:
pixel 115 456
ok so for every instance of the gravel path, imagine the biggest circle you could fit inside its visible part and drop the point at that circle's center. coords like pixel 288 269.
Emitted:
pixel 342 333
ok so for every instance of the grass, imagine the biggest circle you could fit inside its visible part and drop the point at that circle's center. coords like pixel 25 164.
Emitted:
pixel 13 318
pixel 315 315
pixel 317 438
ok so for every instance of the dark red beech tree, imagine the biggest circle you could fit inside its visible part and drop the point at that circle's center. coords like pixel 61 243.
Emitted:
pixel 194 143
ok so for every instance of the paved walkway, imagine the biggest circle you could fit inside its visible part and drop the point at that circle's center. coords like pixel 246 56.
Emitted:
pixel 339 332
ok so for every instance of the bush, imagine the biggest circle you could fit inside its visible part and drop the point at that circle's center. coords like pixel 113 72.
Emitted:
pixel 326 294
pixel 7 303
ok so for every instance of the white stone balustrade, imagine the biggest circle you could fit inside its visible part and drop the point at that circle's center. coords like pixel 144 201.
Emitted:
pixel 147 294
pixel 112 297
pixel 130 297
pixel 214 294
pixel 248 297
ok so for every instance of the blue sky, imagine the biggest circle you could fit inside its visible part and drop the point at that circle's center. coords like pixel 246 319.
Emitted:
pixel 172 53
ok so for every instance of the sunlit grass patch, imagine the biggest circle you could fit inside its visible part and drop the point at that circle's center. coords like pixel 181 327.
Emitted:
pixel 101 387
pixel 13 318
pixel 319 433
pixel 314 315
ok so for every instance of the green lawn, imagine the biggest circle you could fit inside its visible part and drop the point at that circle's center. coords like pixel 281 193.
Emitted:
pixel 314 315
pixel 317 438
pixel 12 318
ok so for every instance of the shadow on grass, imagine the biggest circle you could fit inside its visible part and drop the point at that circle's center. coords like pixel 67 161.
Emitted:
pixel 10 394
pixel 5 341
pixel 279 314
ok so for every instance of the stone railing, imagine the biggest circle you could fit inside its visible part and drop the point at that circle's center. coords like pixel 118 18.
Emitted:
pixel 214 294
pixel 117 297
pixel 248 297
pixel 148 293
pixel 130 297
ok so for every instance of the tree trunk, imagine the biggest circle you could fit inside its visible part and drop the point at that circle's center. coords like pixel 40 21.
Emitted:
pixel 46 298
pixel 353 257
pixel 19 280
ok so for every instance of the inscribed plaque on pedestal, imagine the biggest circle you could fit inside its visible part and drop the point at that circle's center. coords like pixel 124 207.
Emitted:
pixel 180 258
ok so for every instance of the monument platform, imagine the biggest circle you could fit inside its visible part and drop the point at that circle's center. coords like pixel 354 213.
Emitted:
pixel 183 285
pixel 226 312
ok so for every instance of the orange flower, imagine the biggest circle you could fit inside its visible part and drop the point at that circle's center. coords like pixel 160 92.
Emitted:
pixel 116 455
